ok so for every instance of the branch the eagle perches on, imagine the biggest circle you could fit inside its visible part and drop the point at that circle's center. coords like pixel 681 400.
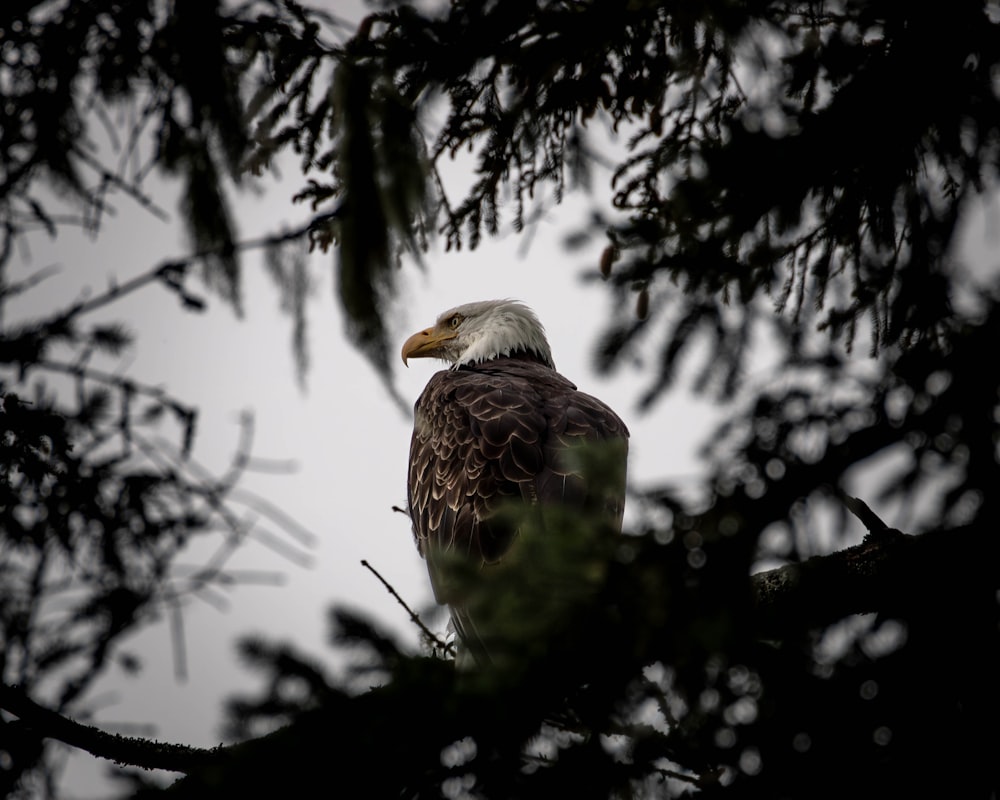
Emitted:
pixel 877 575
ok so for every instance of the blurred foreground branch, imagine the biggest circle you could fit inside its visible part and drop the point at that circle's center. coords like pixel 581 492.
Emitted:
pixel 881 574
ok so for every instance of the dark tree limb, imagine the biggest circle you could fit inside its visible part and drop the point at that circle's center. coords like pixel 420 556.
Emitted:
pixel 885 574
pixel 137 752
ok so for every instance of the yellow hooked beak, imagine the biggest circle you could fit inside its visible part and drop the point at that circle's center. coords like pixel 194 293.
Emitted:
pixel 424 344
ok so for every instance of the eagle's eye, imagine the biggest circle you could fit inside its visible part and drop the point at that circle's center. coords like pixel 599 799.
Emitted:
pixel 455 321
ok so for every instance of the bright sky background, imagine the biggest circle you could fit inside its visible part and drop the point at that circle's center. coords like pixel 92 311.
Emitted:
pixel 347 438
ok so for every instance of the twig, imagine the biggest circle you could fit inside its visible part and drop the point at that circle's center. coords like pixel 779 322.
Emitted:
pixel 11 289
pixel 121 183
pixel 868 518
pixel 112 379
pixel 175 268
pixel 871 520
pixel 414 617
pixel 701 781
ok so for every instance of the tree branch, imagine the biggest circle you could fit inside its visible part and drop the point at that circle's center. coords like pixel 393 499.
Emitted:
pixel 883 573
pixel 137 752
pixel 437 643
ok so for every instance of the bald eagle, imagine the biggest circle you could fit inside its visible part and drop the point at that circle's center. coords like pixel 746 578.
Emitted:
pixel 496 428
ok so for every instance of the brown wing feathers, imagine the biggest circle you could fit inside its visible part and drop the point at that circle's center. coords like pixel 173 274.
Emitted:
pixel 491 432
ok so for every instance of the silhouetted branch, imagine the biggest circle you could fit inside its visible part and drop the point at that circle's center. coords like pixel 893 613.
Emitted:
pixel 127 385
pixel 882 574
pixel 133 190
pixel 12 289
pixel 138 752
pixel 216 493
pixel 875 525
pixel 445 647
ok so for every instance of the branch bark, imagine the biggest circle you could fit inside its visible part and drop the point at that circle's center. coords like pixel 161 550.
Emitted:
pixel 889 572
pixel 145 753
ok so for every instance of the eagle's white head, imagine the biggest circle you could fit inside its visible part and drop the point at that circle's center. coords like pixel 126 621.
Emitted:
pixel 477 332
